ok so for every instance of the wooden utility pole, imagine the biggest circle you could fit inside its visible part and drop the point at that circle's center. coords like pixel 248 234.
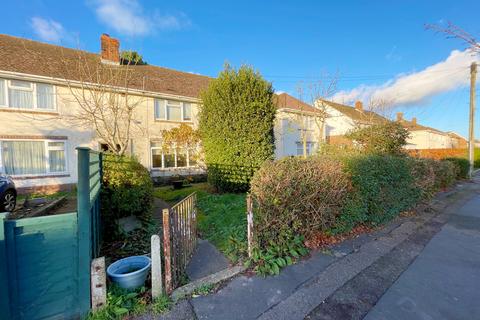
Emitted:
pixel 471 133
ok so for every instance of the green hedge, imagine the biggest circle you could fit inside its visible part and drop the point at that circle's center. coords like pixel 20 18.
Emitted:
pixel 303 196
pixel 462 165
pixel 384 186
pixel 236 125
pixel 127 189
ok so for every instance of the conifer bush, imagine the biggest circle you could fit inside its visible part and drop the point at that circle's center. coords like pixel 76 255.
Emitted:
pixel 236 126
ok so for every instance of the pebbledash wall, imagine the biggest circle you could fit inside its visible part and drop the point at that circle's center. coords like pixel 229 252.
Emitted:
pixel 55 130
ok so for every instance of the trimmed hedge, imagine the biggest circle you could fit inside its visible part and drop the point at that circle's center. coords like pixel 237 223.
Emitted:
pixel 127 189
pixel 328 195
pixel 462 165
pixel 384 184
pixel 298 195
pixel 236 124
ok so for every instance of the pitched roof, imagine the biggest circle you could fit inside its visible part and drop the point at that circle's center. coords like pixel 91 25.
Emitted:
pixel 364 116
pixel 413 126
pixel 286 101
pixel 37 58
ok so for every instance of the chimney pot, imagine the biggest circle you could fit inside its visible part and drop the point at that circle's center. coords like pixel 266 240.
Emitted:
pixel 110 49
pixel 359 106
pixel 399 116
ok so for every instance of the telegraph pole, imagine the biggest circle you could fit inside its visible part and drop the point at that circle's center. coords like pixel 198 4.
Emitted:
pixel 471 134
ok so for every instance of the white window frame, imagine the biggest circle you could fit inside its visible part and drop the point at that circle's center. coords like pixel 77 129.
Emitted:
pixel 175 156
pixel 46 160
pixel 310 147
pixel 164 104
pixel 33 89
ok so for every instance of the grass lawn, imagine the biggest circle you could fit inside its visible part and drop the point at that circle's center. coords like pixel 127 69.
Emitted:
pixel 221 218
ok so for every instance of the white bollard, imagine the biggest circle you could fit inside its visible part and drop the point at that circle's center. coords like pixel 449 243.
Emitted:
pixel 157 287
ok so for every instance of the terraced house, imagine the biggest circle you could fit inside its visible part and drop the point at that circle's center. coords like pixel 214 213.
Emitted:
pixel 40 85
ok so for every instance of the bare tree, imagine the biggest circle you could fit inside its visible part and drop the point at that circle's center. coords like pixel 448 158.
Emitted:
pixel 453 31
pixel 103 95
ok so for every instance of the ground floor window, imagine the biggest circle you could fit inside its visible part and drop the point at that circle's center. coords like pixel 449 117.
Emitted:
pixel 311 146
pixel 34 157
pixel 173 157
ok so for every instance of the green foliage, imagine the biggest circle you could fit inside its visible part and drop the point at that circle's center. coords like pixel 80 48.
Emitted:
pixel 121 303
pixel 277 254
pixel 127 190
pixel 130 57
pixel 462 165
pixel 222 220
pixel 384 186
pixel 236 125
pixel 203 290
pixel 445 174
pixel 161 305
pixel 386 138
pixel 304 196
pixel 172 196
pixel 423 173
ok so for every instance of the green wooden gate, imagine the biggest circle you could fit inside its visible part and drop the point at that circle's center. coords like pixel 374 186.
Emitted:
pixel 45 261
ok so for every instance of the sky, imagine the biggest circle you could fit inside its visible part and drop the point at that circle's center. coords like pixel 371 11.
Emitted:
pixel 377 50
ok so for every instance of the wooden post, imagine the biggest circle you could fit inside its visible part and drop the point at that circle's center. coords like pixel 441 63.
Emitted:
pixel 167 252
pixel 99 283
pixel 4 294
pixel 250 224
pixel 156 267
pixel 84 229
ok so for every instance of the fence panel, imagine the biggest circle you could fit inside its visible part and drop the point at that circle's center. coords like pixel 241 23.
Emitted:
pixel 180 239
pixel 45 261
pixel 42 267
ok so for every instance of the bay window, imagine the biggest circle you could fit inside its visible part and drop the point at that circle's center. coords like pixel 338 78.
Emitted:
pixel 25 95
pixel 36 157
pixel 174 157
pixel 172 110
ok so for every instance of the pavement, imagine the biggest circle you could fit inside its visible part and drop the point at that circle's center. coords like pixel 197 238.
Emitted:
pixel 417 267
pixel 206 260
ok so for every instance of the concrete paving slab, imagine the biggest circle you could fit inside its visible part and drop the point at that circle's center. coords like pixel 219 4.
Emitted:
pixel 248 297
pixel 206 260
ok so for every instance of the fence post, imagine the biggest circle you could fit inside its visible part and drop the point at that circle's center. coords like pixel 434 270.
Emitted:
pixel 98 283
pixel 167 252
pixel 249 224
pixel 5 300
pixel 156 267
pixel 84 228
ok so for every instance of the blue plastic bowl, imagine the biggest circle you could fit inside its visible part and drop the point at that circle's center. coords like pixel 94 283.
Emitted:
pixel 129 273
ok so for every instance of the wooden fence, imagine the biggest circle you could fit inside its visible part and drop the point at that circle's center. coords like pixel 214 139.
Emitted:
pixel 45 261
pixel 179 239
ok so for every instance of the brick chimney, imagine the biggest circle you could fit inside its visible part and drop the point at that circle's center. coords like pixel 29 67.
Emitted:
pixel 110 49
pixel 414 121
pixel 359 106
pixel 399 116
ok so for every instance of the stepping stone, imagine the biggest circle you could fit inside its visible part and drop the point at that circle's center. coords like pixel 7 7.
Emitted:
pixel 206 260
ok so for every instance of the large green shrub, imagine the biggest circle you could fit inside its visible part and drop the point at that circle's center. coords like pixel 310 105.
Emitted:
pixel 384 186
pixel 127 188
pixel 297 195
pixel 236 125
pixel 462 167
pixel 384 138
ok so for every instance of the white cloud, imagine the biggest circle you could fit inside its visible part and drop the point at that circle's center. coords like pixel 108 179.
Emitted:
pixel 417 87
pixel 129 18
pixel 47 29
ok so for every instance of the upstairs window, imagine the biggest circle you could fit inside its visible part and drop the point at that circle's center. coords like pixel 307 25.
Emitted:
pixel 170 110
pixel 19 94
